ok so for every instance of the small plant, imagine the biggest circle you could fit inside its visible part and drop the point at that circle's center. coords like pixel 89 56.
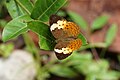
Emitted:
pixel 29 16
pixel 98 23
pixel 34 16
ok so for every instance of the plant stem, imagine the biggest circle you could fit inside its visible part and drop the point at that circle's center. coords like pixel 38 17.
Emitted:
pixel 94 52
pixel 93 45
pixel 37 59
pixel 103 52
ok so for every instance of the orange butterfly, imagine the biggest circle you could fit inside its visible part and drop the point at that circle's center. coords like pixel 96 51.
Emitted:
pixel 66 34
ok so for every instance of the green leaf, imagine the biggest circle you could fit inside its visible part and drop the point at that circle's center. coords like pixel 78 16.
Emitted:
pixel 84 40
pixel 109 75
pixel 78 19
pixel 26 5
pixel 13 9
pixel 86 67
pixel 15 27
pixel 90 77
pixel 91 67
pixel 63 71
pixel 111 33
pixel 44 8
pixel 77 58
pixel 61 13
pixel 99 22
pixel 6 49
pixel 103 65
pixel 81 57
pixel 47 41
pixel 19 7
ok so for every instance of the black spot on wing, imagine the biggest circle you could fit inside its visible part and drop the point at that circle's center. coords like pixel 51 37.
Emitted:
pixel 61 56
pixel 54 18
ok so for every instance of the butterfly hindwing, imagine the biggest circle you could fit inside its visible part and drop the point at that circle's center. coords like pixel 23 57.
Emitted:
pixel 64 48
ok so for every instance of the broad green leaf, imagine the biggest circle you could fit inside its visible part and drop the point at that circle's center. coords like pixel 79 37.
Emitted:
pixel 111 33
pixel 15 27
pixel 84 40
pixel 99 22
pixel 19 7
pixel 44 8
pixel 78 19
pixel 63 71
pixel 13 9
pixel 26 5
pixel 47 41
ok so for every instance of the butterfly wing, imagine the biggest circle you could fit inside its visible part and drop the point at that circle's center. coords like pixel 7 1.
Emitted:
pixel 64 48
pixel 65 33
pixel 64 29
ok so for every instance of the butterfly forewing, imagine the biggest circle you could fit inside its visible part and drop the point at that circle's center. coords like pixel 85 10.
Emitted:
pixel 64 29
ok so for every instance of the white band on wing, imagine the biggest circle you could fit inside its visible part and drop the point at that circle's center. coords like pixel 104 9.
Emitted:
pixel 63 50
pixel 58 25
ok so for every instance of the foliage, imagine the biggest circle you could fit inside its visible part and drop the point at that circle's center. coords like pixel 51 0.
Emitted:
pixel 6 49
pixel 78 19
pixel 15 27
pixel 47 41
pixel 34 16
pixel 96 70
pixel 83 63
pixel 111 34
pixel 22 20
pixel 98 23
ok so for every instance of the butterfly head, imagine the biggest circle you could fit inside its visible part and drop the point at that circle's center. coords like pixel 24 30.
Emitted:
pixel 54 19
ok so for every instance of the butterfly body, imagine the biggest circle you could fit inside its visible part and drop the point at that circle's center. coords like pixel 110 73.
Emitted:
pixel 66 34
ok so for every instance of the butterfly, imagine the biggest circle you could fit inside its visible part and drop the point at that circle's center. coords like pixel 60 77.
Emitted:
pixel 65 33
